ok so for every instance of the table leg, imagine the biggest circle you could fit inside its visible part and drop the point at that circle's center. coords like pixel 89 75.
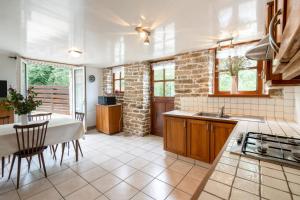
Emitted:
pixel 76 150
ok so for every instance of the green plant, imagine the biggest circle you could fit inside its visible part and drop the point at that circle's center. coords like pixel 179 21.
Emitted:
pixel 20 104
pixel 235 64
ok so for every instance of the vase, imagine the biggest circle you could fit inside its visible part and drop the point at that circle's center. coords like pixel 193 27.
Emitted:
pixel 23 119
pixel 234 85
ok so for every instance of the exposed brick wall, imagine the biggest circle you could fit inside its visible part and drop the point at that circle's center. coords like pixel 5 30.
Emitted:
pixel 192 75
pixel 136 106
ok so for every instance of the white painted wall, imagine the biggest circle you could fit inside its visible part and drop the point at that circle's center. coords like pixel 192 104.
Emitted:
pixel 8 70
pixel 297 104
pixel 92 93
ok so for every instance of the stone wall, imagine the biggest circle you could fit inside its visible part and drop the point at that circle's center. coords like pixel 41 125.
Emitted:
pixel 193 74
pixel 108 85
pixel 136 105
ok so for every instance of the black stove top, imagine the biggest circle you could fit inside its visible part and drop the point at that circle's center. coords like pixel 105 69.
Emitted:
pixel 269 147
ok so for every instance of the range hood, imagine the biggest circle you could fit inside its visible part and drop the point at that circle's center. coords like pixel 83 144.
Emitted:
pixel 262 51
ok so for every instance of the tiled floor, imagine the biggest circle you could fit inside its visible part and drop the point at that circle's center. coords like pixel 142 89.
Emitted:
pixel 113 167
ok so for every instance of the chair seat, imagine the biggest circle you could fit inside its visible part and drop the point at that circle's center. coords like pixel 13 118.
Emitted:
pixel 29 152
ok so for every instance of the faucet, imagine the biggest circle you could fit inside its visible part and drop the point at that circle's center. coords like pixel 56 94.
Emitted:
pixel 221 111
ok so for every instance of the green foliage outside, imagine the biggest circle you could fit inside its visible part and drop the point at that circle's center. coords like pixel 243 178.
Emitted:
pixel 48 75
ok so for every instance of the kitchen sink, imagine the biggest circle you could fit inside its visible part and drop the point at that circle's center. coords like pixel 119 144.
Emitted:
pixel 207 114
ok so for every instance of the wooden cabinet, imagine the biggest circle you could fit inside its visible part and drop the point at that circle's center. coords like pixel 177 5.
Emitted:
pixel 198 140
pixel 195 138
pixel 175 135
pixel 108 118
pixel 7 113
pixel 219 134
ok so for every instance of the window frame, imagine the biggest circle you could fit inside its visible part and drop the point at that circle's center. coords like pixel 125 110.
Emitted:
pixel 120 79
pixel 164 80
pixel 259 85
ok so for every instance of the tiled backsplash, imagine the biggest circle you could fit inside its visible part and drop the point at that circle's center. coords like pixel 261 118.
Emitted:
pixel 275 107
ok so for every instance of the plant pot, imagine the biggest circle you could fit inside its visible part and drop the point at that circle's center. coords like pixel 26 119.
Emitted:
pixel 23 119
pixel 234 85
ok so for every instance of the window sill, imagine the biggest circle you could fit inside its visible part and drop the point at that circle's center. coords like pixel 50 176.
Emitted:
pixel 239 95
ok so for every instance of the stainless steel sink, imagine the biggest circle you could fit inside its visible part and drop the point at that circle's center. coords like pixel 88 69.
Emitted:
pixel 214 115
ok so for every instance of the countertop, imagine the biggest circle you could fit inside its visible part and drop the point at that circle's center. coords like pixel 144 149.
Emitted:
pixel 238 177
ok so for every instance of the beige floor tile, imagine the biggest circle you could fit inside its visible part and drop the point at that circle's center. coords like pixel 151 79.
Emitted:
pixel 46 195
pixel 178 195
pixel 218 189
pixel 12 195
pixel 124 172
pixel 181 167
pixel 34 188
pixel 99 159
pixel 271 193
pixel 149 156
pixel 295 188
pixel 139 180
pixel 29 178
pixel 158 189
pixel 62 176
pixel 272 173
pixel 295 197
pixel 106 182
pixel 6 186
pixel 83 166
pixel 152 169
pixel 125 157
pixel 87 193
pixel 141 196
pixel 138 163
pixel 246 185
pixel 137 151
pixel 245 174
pixel 111 164
pixel 71 185
pixel 293 178
pixel 198 173
pixel 122 191
pixel 102 198
pixel 222 177
pixel 164 161
pixel 239 194
pixel 171 177
pixel 207 196
pixel 93 174
pixel 188 185
pixel 274 182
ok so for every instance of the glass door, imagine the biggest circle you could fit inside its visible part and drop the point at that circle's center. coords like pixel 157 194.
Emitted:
pixel 79 90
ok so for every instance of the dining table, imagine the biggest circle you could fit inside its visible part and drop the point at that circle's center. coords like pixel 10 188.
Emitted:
pixel 59 130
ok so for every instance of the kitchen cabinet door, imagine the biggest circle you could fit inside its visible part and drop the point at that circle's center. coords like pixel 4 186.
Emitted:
pixel 219 134
pixel 175 135
pixel 198 140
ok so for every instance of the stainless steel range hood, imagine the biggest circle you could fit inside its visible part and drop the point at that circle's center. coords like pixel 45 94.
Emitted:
pixel 262 51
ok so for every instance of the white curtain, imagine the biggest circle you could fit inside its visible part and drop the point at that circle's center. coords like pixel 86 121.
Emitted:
pixel 239 50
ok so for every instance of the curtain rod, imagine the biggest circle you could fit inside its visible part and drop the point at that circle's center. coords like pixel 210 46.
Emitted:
pixel 61 63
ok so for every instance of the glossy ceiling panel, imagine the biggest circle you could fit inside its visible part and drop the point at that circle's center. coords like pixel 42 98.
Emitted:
pixel 104 29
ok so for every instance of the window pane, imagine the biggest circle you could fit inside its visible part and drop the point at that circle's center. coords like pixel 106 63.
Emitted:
pixel 122 85
pixel 122 74
pixel 247 80
pixel 117 85
pixel 222 64
pixel 117 75
pixel 170 73
pixel 158 74
pixel 224 81
pixel 158 89
pixel 170 89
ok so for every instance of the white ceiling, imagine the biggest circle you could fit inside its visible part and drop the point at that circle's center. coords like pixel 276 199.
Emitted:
pixel 104 29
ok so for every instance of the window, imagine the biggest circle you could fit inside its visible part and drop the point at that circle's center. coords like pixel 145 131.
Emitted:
pixel 247 77
pixel 118 79
pixel 163 79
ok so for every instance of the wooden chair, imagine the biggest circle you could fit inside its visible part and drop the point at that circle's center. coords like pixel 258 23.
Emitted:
pixel 30 140
pixel 3 120
pixel 40 117
pixel 80 117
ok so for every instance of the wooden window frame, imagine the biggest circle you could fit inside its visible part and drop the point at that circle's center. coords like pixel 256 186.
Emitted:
pixel 160 81
pixel 259 85
pixel 114 80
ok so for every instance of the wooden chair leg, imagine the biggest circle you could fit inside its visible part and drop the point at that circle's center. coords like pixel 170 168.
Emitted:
pixel 19 170
pixel 43 162
pixel 78 146
pixel 12 166
pixel 29 163
pixel 68 148
pixel 3 163
pixel 39 160
pixel 76 151
pixel 54 151
pixel 62 152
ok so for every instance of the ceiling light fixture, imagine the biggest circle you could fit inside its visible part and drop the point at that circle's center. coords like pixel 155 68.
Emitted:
pixel 74 52
pixel 147 41
pixel 144 34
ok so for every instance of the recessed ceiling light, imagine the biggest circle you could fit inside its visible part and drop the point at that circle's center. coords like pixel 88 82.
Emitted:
pixel 74 52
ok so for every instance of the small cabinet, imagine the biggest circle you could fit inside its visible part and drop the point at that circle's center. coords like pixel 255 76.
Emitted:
pixel 219 134
pixel 109 118
pixel 198 140
pixel 175 135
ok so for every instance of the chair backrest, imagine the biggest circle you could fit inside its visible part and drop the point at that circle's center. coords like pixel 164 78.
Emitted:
pixel 4 120
pixel 31 138
pixel 79 116
pixel 40 117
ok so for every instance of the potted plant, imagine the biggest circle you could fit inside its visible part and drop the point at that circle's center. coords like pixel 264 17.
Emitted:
pixel 234 65
pixel 21 105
